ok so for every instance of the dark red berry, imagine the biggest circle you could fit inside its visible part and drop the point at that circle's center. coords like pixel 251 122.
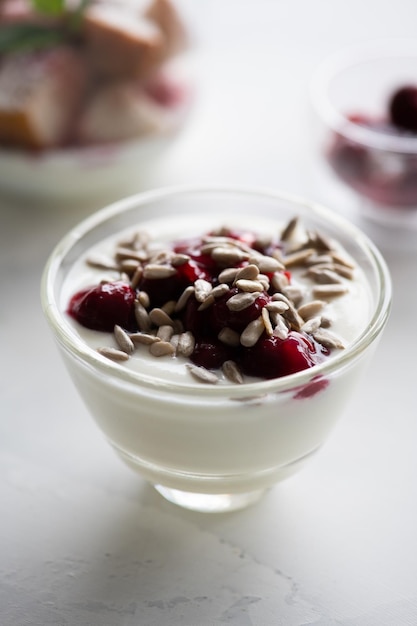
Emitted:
pixel 103 306
pixel 211 353
pixel 403 108
pixel 272 357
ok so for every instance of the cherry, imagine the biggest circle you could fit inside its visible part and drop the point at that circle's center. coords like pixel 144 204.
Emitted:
pixel 211 353
pixel 272 357
pixel 102 306
pixel 403 108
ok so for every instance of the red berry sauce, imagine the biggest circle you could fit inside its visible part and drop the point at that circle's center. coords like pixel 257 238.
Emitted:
pixel 107 304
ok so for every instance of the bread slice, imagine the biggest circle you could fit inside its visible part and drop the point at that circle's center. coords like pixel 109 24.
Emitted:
pixel 120 44
pixel 40 94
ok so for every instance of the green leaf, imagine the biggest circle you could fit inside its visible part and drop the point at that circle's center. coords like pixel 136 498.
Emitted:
pixel 50 7
pixel 22 37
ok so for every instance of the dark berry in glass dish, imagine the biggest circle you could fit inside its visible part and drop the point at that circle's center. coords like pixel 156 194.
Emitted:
pixel 380 170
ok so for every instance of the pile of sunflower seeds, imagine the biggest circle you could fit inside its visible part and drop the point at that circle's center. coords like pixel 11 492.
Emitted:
pixel 162 332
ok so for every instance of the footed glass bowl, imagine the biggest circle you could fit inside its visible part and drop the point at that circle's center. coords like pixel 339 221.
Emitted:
pixel 213 447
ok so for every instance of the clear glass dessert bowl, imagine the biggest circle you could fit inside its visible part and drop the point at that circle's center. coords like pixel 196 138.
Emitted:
pixel 365 145
pixel 213 445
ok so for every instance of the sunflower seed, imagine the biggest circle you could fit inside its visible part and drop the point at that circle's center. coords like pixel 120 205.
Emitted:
pixel 265 263
pixel 319 259
pixel 279 281
pixel 281 329
pixel 252 332
pixel 142 317
pixel 165 332
pixel 342 260
pixel 102 263
pixel 186 344
pixel 113 354
pixel 228 275
pixel 249 272
pixel 202 374
pixel 267 321
pixel 277 306
pixel 329 291
pixel 311 325
pixel 289 229
pixel 183 299
pixel 202 289
pixel 232 372
pixel 328 339
pixel 242 300
pixel 123 340
pixel 323 276
pixel 310 309
pixel 249 285
pixel 228 255
pixel 169 307
pixel 144 338
pixel 229 337
pixel 264 280
pixel 294 318
pixel 298 258
pixel 143 298
pixel 295 294
pixel 136 278
pixel 179 259
pixel 207 303
pixel 155 272
pixel 343 270
pixel 122 254
pixel 162 348
pixel 220 290
pixel 158 317
pixel 323 242
pixel 129 266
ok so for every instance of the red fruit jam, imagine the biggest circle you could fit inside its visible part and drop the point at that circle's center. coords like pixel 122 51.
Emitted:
pixel 103 306
pixel 223 292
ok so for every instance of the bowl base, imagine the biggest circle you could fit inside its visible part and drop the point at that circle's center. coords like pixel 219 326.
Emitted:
pixel 210 502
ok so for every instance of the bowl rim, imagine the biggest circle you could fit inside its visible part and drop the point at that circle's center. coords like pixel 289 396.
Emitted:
pixel 342 59
pixel 71 342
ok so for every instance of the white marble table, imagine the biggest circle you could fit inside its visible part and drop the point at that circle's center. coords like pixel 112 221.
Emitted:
pixel 83 540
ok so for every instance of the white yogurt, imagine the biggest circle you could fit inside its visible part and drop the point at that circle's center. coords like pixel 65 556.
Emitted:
pixel 190 436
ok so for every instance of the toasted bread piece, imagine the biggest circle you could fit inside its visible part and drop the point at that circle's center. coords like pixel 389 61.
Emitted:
pixel 40 93
pixel 175 36
pixel 119 43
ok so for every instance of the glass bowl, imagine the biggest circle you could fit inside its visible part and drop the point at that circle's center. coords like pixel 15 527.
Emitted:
pixel 356 147
pixel 213 447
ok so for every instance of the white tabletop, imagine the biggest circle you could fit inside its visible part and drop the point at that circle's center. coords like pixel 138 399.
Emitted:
pixel 83 540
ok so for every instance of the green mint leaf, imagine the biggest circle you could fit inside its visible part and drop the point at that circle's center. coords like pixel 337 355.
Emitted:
pixel 24 37
pixel 50 7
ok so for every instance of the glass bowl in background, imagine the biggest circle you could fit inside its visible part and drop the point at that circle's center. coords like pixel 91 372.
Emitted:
pixel 359 158
pixel 213 447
